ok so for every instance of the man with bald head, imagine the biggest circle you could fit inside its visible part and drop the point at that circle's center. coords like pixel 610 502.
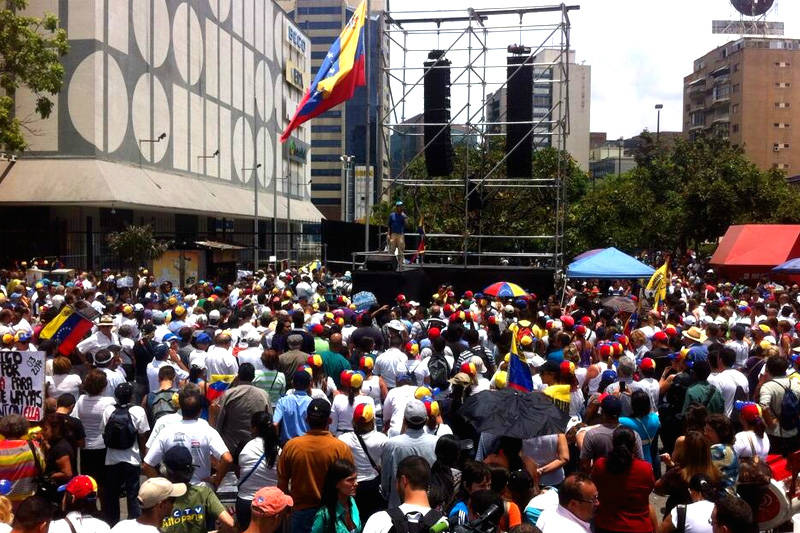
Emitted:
pixel 334 359
pixel 294 357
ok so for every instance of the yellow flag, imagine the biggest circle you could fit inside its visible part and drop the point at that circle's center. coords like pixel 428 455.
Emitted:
pixel 657 286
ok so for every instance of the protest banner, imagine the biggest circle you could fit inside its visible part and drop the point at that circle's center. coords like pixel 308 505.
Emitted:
pixel 22 384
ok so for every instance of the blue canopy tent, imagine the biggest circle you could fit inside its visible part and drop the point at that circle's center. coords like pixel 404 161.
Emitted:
pixel 792 266
pixel 609 263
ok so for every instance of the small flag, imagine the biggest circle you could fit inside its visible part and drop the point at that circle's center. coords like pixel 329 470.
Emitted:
pixel 341 72
pixel 519 374
pixel 657 286
pixel 217 385
pixel 68 328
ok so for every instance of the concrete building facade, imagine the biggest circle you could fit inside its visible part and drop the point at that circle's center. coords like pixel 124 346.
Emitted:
pixel 341 130
pixel 167 109
pixel 546 91
pixel 745 91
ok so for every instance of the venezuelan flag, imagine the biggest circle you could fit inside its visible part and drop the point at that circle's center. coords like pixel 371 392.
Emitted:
pixel 52 327
pixel 67 329
pixel 338 76
pixel 217 385
pixel 519 374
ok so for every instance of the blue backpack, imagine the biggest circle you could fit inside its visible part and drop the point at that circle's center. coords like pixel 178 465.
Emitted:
pixel 790 409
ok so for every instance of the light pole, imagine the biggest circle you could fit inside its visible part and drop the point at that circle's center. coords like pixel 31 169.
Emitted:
pixel 255 214
pixel 212 156
pixel 152 142
pixel 659 107
pixel 348 161
pixel 620 141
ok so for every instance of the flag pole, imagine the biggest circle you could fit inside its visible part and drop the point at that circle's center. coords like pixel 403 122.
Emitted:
pixel 368 199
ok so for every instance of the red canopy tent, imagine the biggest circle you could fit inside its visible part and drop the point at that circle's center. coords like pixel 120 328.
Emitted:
pixel 751 250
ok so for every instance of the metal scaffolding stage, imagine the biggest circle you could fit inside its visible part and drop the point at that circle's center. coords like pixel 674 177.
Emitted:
pixel 476 42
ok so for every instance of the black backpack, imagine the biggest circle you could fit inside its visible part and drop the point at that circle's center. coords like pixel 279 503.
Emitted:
pixel 401 524
pixel 120 433
pixel 439 370
pixel 160 403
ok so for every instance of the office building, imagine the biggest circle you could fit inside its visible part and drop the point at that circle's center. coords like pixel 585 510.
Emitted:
pixel 341 130
pixel 745 91
pixel 546 94
pixel 168 113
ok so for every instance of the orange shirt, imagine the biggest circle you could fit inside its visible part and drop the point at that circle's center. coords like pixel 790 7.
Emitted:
pixel 512 517
pixel 304 463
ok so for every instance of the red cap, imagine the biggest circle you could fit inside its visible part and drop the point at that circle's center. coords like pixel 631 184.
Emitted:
pixel 567 320
pixel 401 297
pixel 434 333
pixel 605 350
pixel 586 320
pixel 647 364
pixel 580 329
pixel 317 329
pixel 750 412
pixel 660 336
pixel 468 295
pixel 80 486
pixel 672 331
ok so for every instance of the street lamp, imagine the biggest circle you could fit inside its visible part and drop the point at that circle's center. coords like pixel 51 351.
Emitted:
pixel 255 214
pixel 620 142
pixel 659 107
pixel 151 141
pixel 212 156
pixel 348 161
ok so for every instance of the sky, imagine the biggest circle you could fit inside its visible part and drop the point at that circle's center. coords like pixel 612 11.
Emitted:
pixel 639 51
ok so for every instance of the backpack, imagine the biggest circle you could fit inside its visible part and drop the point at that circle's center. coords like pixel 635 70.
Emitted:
pixel 439 370
pixel 790 409
pixel 401 524
pixel 120 433
pixel 487 360
pixel 160 404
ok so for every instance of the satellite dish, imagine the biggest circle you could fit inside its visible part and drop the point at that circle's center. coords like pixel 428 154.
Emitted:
pixel 752 8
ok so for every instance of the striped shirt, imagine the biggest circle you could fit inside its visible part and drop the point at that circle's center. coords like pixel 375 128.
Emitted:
pixel 19 465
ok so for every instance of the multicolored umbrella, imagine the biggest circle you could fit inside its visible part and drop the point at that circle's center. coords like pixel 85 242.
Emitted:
pixel 504 289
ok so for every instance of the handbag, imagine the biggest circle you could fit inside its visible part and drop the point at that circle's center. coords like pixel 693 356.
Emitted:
pixel 752 470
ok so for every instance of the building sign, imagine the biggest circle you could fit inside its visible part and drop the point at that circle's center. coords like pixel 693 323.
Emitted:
pixel 295 76
pixel 296 39
pixel 296 150
pixel 22 384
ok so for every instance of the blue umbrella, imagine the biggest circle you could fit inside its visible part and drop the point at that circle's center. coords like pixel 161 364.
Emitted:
pixel 364 300
pixel 792 266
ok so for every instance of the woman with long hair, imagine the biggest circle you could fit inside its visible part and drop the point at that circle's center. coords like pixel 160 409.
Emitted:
pixel 58 454
pixel 753 440
pixel 339 512
pixel 79 507
pixel 692 456
pixel 322 385
pixel 256 464
pixel 646 423
pixel 697 514
pixel 344 403
pixel 621 473
pixel 89 409
pixel 719 432
pixel 373 385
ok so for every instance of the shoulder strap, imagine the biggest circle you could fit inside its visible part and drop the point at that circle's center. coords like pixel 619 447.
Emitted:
pixel 366 451
pixel 69 523
pixel 430 518
pixel 681 526
pixel 644 428
pixel 399 520
pixel 752 447
pixel 250 473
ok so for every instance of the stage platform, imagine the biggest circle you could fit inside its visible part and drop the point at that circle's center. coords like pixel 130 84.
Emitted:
pixel 420 282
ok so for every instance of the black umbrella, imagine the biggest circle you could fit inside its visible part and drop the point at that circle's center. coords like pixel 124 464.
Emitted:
pixel 619 304
pixel 512 413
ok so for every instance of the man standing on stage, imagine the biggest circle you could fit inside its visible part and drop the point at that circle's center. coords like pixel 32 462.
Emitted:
pixel 397 230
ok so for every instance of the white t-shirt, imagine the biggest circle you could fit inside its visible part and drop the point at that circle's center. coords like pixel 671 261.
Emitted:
pixel 220 361
pixel 252 356
pixel 262 476
pixel 697 517
pixel 416 367
pixel 342 412
pixel 375 441
pixel 726 382
pixel 132 526
pixel 387 363
pixel 743 448
pixel 131 455
pixel 90 410
pixel 202 440
pixel 394 407
pixel 62 384
pixel 113 378
pixel 152 373
pixel 161 423
pixel 651 387
pixel 372 388
pixel 197 358
pixel 382 523
pixel 84 524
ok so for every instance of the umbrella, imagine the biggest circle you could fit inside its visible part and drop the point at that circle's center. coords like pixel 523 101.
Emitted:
pixel 619 304
pixel 792 266
pixel 364 300
pixel 504 289
pixel 511 413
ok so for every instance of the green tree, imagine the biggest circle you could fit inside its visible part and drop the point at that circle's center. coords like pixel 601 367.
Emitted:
pixel 136 245
pixel 30 52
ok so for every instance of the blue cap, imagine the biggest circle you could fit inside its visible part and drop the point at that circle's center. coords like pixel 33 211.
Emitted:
pixel 169 337
pixel 160 351
pixel 203 338
pixel 698 353
pixel 608 374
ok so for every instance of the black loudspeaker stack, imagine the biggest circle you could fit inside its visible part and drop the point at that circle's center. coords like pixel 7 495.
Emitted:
pixel 439 148
pixel 519 103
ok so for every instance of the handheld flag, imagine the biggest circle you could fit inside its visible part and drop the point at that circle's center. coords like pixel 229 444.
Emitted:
pixel 217 385
pixel 657 286
pixel 338 76
pixel 519 375
pixel 69 327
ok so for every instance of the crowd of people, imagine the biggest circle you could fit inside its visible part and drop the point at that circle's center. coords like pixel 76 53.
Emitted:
pixel 328 417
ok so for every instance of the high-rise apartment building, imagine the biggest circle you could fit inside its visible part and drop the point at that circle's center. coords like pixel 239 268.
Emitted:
pixel 744 91
pixel 341 130
pixel 546 94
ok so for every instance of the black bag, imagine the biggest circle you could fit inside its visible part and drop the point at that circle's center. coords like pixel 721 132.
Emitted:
pixel 401 524
pixel 680 527
pixel 439 370
pixel 161 403
pixel 120 433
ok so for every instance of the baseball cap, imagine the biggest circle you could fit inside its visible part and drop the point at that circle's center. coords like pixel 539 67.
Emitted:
pixel 81 487
pixel 611 405
pixel 363 412
pixel 301 379
pixel 319 408
pixel 415 412
pixel 660 336
pixel 214 315
pixel 460 379
pixel 608 375
pixel 178 458
pixel 270 501
pixel 647 364
pixel 158 489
